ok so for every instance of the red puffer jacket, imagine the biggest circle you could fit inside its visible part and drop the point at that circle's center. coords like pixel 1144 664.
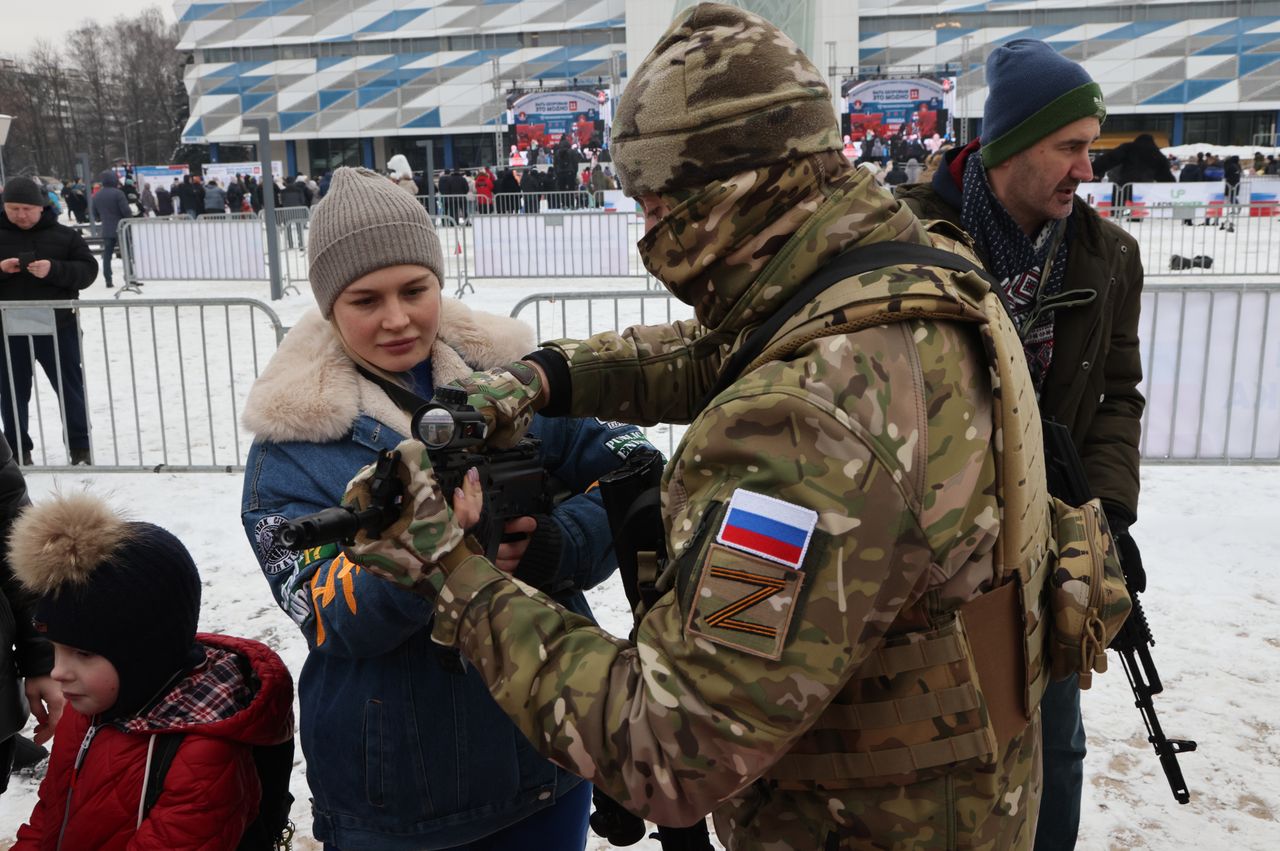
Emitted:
pixel 210 792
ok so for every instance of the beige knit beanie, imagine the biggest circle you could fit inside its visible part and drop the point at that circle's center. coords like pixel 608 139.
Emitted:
pixel 364 223
pixel 724 91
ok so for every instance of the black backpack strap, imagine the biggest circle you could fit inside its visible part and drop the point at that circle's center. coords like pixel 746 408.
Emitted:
pixel 166 748
pixel 856 261
pixel 405 399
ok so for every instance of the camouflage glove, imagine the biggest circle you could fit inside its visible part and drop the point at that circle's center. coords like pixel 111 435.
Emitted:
pixel 506 397
pixel 410 550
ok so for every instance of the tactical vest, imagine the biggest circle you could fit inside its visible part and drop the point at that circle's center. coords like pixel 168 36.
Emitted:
pixel 925 702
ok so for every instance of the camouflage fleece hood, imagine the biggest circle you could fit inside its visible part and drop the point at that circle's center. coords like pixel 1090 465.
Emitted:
pixel 738 248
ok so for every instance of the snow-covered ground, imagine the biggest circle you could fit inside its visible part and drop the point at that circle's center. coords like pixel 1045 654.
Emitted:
pixel 1207 541
pixel 1206 537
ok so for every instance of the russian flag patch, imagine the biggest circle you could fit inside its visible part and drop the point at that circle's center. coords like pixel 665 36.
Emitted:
pixel 768 527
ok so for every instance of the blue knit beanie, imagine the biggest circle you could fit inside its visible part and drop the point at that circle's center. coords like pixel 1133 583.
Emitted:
pixel 1032 91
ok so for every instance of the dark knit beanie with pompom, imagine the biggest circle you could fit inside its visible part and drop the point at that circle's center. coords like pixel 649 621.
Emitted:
pixel 126 590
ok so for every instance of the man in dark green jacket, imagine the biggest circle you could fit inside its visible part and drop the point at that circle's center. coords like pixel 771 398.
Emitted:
pixel 1074 285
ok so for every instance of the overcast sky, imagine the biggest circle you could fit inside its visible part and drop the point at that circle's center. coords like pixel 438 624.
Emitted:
pixel 24 21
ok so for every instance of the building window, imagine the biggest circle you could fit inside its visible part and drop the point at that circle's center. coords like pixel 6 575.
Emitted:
pixel 473 149
pixel 417 156
pixel 1226 128
pixel 328 154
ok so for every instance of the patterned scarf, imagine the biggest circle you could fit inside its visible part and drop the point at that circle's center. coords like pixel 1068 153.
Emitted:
pixel 1017 260
pixel 212 692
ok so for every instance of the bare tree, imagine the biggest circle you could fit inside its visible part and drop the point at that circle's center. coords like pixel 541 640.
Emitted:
pixel 102 83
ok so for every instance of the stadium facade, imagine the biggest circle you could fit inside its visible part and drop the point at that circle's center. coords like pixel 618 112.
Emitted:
pixel 1199 71
pixel 356 81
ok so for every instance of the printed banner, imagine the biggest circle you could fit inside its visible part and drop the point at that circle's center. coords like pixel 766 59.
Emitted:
pixel 226 172
pixel 883 107
pixel 1176 200
pixel 1100 196
pixel 157 175
pixel 546 116
pixel 616 201
pixel 1263 194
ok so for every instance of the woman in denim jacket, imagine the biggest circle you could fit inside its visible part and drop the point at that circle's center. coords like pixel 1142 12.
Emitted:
pixel 404 747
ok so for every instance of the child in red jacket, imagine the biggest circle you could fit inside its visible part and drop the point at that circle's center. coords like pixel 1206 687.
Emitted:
pixel 120 601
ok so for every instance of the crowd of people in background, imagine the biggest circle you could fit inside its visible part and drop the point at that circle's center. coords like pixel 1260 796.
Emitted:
pixel 567 176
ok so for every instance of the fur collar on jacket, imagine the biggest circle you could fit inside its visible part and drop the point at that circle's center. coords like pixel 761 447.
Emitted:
pixel 310 390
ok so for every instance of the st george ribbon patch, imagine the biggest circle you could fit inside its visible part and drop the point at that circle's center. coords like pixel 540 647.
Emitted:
pixel 768 527
pixel 744 601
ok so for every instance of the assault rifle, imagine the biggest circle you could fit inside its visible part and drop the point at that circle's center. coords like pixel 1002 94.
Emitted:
pixel 1133 642
pixel 631 502
pixel 513 480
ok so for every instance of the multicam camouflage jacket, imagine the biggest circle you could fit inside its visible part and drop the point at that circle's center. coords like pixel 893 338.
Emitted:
pixel 828 505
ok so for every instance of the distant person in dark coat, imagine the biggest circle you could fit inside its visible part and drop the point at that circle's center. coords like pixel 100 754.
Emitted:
pixel 164 202
pixel 109 207
pixel 235 196
pixel 191 203
pixel 507 192
pixel 77 201
pixel 1193 171
pixel 1231 176
pixel 41 260
pixel 215 199
pixel 296 194
pixel 1139 161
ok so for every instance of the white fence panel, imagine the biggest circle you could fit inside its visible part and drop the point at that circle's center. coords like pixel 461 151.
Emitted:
pixel 592 245
pixel 1211 363
pixel 193 249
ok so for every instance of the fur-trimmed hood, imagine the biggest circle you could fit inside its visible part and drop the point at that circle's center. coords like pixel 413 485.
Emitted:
pixel 310 390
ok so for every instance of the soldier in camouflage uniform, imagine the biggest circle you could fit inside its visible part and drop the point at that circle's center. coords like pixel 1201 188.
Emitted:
pixel 805 676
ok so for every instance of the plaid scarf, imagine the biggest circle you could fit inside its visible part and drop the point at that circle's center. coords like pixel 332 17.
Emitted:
pixel 214 691
pixel 1016 260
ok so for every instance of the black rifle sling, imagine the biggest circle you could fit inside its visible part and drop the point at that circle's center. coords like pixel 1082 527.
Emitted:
pixel 162 755
pixel 856 261
pixel 405 399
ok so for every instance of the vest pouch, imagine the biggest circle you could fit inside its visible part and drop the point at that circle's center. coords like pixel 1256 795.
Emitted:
pixel 1088 600
pixel 914 711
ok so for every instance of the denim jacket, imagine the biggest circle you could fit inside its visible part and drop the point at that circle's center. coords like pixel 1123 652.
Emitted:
pixel 405 748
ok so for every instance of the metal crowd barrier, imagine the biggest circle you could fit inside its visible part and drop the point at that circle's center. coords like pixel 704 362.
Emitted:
pixel 568 245
pixel 192 250
pixel 164 381
pixel 292 224
pixel 233 247
pixel 1230 241
pixel 581 315
pixel 1211 363
pixel 454 244
pixel 227 217
pixel 1211 374
pixel 463 207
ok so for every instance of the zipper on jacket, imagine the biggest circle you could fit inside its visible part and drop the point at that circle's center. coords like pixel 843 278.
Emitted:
pixel 75 772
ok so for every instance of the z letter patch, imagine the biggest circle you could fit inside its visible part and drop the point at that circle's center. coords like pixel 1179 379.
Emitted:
pixel 744 602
